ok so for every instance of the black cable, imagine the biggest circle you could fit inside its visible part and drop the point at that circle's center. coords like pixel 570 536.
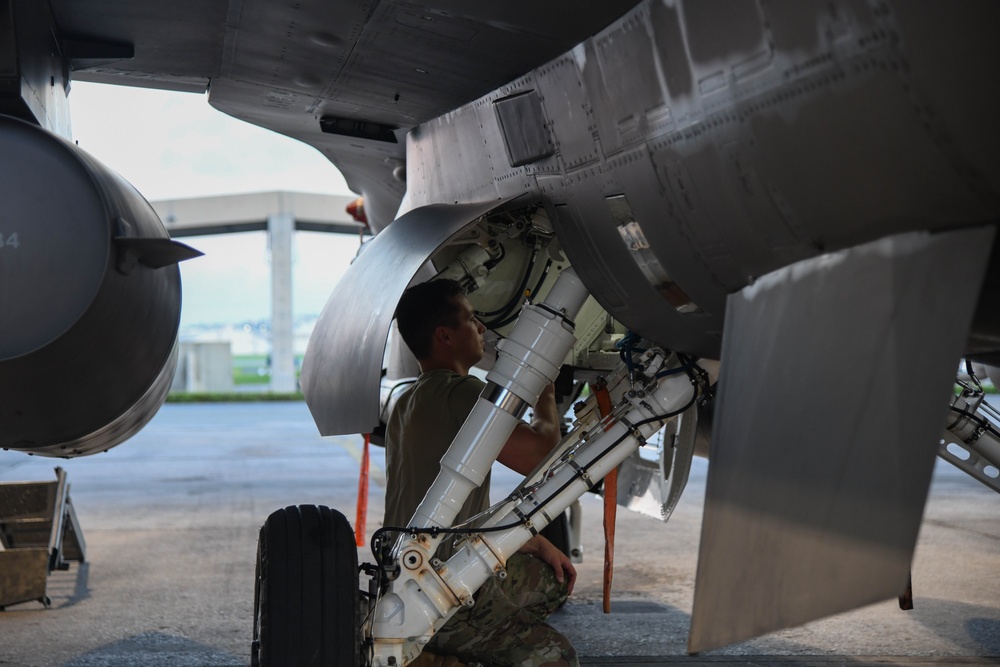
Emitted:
pixel 517 313
pixel 586 468
pixel 435 531
pixel 504 310
pixel 541 279
pixel 497 324
pixel 982 422
pixel 674 371
pixel 493 325
pixel 496 260
pixel 625 353
pixel 578 474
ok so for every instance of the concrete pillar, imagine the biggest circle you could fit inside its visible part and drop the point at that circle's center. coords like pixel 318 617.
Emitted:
pixel 280 229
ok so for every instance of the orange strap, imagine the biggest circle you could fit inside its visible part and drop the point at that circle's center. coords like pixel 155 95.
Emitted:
pixel 362 516
pixel 610 501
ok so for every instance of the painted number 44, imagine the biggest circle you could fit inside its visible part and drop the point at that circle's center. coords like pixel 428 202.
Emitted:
pixel 10 241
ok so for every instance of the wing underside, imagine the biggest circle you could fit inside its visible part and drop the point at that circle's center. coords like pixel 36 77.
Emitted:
pixel 349 78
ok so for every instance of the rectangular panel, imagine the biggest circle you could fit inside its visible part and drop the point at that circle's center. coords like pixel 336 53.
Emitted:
pixel 522 121
pixel 567 106
pixel 836 375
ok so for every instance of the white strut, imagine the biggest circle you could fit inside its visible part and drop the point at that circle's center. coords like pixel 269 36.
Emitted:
pixel 971 440
pixel 427 592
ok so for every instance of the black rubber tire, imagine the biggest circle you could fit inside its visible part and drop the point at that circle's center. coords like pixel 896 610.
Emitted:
pixel 306 590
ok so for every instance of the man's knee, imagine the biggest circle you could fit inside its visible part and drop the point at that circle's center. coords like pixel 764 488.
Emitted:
pixel 541 645
pixel 531 585
pixel 428 659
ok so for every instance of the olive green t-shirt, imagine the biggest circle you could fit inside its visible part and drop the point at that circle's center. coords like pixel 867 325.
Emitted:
pixel 425 420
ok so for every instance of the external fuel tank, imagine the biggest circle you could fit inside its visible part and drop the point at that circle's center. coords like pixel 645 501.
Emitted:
pixel 89 299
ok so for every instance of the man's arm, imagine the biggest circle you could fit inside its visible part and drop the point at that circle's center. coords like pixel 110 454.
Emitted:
pixel 528 445
pixel 541 548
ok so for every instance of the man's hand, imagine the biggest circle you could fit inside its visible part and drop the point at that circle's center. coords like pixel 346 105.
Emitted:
pixel 541 548
pixel 545 416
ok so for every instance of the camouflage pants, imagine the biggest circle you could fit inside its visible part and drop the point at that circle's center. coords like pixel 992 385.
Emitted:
pixel 507 627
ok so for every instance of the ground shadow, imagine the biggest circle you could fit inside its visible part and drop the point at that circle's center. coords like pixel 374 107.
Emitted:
pixel 155 649
pixel 72 587
pixel 651 632
pixel 974 627
pixel 63 588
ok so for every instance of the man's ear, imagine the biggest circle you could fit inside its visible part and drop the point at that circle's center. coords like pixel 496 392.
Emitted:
pixel 443 334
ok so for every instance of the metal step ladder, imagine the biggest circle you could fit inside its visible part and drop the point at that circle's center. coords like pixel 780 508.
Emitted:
pixel 39 533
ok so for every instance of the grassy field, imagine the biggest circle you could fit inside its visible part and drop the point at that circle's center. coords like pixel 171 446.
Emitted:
pixel 250 369
pixel 233 397
pixel 253 369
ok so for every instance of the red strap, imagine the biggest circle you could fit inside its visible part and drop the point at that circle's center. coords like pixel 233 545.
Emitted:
pixel 610 500
pixel 362 516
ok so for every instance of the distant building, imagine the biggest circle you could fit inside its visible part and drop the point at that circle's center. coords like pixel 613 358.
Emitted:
pixel 280 214
pixel 203 367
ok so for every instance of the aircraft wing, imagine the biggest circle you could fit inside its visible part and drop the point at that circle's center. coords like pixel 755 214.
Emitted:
pixel 690 160
pixel 349 78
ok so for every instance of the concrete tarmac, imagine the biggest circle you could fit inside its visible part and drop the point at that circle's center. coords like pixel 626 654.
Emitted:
pixel 171 518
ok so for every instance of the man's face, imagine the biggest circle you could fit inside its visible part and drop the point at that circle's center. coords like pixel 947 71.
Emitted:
pixel 467 338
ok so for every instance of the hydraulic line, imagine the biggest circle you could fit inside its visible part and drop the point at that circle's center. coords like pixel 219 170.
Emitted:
pixel 506 309
pixel 421 599
pixel 423 592
pixel 972 438
pixel 496 324
pixel 595 458
pixel 528 360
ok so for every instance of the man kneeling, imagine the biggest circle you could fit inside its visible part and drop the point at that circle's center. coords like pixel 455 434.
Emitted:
pixel 507 624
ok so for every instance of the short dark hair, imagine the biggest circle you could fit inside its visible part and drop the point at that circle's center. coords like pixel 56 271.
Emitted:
pixel 422 309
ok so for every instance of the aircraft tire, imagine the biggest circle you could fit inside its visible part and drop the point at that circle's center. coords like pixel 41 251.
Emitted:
pixel 306 590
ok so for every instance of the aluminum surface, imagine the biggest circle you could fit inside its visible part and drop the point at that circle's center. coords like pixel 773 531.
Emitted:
pixel 88 326
pixel 814 511
pixel 343 362
pixel 505 399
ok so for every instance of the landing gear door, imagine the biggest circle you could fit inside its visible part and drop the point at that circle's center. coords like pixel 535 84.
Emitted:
pixel 343 361
pixel 652 479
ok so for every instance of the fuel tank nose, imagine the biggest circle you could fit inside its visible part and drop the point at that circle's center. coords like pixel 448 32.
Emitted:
pixel 89 299
pixel 54 240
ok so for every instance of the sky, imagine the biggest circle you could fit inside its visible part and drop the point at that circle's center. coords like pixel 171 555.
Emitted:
pixel 174 145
